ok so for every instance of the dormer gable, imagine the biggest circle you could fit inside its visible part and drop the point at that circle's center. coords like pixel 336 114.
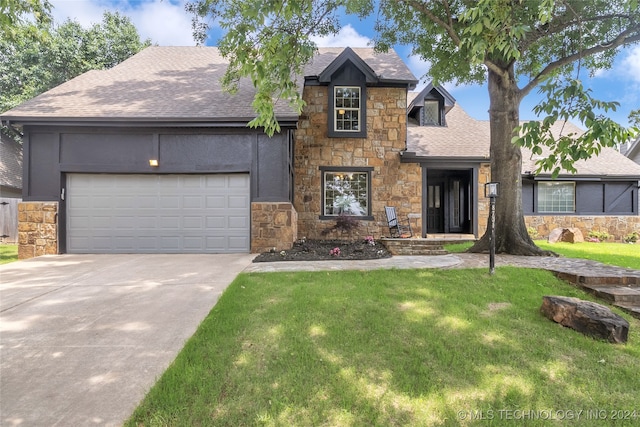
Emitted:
pixel 430 106
pixel 347 63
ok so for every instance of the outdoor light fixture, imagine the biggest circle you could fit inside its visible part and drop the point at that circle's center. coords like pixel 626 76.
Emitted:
pixel 491 190
pixel 153 162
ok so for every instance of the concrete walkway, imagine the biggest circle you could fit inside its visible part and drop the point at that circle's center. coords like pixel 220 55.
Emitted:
pixel 84 337
pixel 463 260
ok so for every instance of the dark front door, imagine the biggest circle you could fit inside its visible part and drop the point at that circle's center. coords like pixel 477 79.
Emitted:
pixel 435 208
pixel 448 201
pixel 458 212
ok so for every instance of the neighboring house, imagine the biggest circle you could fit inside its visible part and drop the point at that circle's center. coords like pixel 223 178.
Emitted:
pixel 10 188
pixel 632 150
pixel 10 168
pixel 152 156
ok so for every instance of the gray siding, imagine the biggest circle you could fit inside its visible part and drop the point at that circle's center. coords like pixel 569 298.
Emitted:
pixel 592 198
pixel 52 152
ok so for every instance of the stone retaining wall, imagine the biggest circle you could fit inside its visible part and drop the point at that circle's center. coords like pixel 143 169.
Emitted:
pixel 617 226
pixel 273 225
pixel 37 229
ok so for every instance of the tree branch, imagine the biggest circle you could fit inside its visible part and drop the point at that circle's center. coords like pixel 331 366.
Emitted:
pixel 628 36
pixel 448 27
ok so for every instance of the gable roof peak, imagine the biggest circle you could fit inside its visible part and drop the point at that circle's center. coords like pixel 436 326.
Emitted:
pixel 348 55
pixel 449 101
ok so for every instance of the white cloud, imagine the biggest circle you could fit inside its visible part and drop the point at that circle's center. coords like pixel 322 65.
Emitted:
pixel 164 22
pixel 631 63
pixel 347 36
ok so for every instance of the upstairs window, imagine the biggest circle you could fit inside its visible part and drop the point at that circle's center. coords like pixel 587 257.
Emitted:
pixel 347 113
pixel 431 113
pixel 556 197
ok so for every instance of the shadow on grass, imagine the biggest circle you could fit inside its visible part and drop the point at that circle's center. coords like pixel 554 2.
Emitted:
pixel 389 348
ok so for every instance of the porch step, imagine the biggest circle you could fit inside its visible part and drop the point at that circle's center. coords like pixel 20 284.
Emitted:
pixel 413 247
pixel 626 297
pixel 615 294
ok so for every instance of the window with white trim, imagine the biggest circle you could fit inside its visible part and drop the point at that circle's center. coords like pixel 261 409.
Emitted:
pixel 556 197
pixel 347 114
pixel 346 192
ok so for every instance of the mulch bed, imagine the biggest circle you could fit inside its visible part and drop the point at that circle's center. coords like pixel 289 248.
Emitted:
pixel 318 250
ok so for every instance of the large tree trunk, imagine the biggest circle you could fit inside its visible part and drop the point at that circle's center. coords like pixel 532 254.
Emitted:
pixel 506 168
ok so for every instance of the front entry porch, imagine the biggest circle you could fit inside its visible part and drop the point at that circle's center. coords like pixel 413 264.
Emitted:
pixel 432 245
pixel 448 201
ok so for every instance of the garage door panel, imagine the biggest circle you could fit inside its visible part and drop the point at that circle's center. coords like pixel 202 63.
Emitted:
pixel 238 222
pixel 158 213
pixel 237 202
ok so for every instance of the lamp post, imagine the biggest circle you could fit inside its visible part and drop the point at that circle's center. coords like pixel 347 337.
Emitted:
pixel 491 191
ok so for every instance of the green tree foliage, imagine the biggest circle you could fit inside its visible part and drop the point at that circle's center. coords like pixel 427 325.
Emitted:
pixel 32 63
pixel 634 118
pixel 17 13
pixel 513 45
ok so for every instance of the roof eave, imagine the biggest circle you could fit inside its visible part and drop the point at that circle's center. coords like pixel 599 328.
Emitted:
pixel 283 121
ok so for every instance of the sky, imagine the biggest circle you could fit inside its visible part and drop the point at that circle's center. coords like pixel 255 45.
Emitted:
pixel 167 23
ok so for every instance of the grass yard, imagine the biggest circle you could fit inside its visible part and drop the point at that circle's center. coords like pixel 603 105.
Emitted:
pixel 620 254
pixel 8 253
pixel 393 348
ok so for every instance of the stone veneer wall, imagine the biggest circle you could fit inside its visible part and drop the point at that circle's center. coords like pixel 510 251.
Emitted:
pixel 273 225
pixel 484 176
pixel 617 226
pixel 37 229
pixel 392 183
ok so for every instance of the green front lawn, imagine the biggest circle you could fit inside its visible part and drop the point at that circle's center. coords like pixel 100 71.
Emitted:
pixel 620 254
pixel 392 348
pixel 8 253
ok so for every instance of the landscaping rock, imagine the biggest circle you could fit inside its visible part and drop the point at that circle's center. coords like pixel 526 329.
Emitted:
pixel 589 318
pixel 570 235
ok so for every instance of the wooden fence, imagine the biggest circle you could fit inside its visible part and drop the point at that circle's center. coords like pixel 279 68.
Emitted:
pixel 9 220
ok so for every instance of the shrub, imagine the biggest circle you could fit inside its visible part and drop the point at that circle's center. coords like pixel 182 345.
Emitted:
pixel 632 237
pixel 598 236
pixel 533 232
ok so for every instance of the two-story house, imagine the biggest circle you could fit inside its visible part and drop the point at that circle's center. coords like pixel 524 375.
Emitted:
pixel 153 156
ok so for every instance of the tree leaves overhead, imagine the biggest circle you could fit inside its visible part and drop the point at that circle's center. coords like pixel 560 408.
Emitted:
pixel 564 101
pixel 269 42
pixel 34 62
pixel 29 14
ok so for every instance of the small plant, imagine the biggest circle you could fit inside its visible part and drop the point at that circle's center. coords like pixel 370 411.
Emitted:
pixel 369 240
pixel 533 232
pixel 632 237
pixel 283 254
pixel 598 236
pixel 335 251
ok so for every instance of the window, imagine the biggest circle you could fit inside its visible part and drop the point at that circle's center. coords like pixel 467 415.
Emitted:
pixel 556 197
pixel 346 192
pixel 347 117
pixel 432 112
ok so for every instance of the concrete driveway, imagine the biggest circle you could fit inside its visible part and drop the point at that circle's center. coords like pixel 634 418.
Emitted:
pixel 84 337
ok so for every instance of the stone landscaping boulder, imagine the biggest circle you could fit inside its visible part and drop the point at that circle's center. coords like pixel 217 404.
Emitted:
pixel 589 318
pixel 570 235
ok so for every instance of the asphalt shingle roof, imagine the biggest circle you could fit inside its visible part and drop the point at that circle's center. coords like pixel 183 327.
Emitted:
pixel 174 83
pixel 467 138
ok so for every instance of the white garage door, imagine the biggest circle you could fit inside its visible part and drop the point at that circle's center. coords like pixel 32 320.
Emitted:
pixel 109 213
